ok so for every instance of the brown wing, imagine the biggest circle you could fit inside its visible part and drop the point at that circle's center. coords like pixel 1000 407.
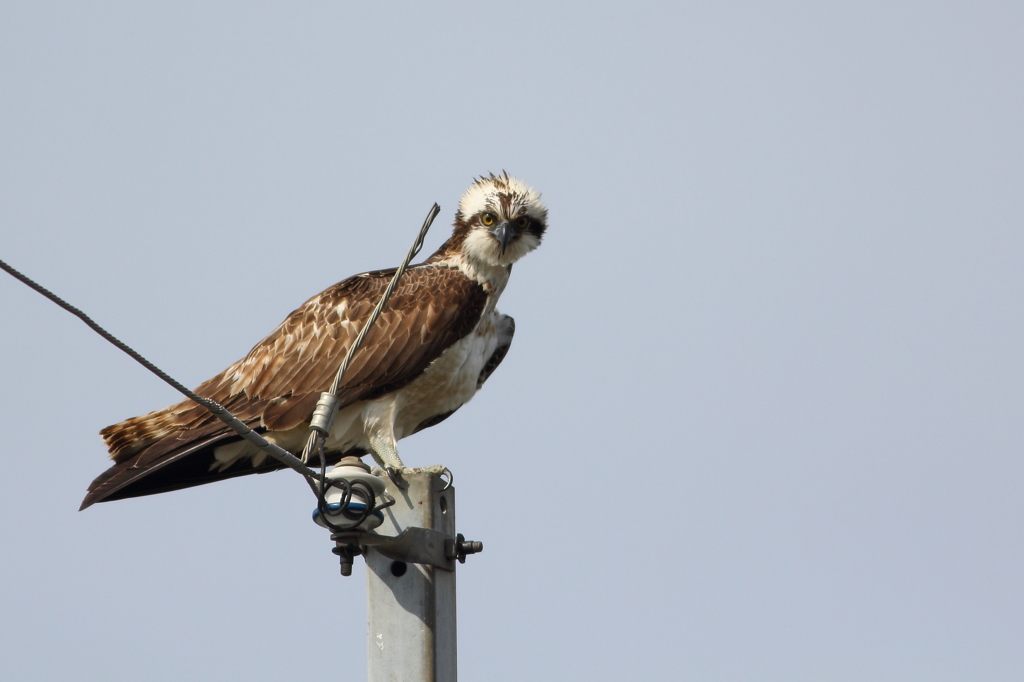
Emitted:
pixel 276 385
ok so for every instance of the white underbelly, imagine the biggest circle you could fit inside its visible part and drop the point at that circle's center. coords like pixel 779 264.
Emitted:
pixel 446 385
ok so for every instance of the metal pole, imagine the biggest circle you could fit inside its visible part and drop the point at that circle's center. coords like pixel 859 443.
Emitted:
pixel 412 606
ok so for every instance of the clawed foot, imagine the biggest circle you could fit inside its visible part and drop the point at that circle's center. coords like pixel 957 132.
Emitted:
pixel 443 472
pixel 396 477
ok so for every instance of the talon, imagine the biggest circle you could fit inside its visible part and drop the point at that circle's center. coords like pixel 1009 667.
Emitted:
pixel 396 477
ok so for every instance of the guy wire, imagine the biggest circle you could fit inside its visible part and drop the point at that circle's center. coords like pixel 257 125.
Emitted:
pixel 217 410
pixel 314 440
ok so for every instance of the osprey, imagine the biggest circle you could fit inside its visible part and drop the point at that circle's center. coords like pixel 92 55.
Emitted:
pixel 435 344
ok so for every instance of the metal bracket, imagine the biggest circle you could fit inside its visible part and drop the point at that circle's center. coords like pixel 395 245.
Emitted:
pixel 416 546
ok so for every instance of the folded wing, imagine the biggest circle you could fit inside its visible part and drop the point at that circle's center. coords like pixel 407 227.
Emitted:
pixel 276 386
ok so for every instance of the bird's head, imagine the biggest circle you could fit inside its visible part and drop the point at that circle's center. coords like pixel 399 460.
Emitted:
pixel 503 219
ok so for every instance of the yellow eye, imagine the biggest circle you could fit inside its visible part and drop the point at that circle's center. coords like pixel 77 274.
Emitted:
pixel 487 219
pixel 522 222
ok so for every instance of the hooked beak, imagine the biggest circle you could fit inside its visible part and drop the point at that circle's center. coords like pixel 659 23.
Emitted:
pixel 504 233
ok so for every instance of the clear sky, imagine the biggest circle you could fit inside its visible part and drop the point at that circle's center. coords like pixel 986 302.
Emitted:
pixel 762 419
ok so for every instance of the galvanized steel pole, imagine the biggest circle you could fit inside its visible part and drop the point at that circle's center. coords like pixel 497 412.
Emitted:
pixel 412 606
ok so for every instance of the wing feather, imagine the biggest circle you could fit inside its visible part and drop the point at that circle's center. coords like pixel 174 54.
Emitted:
pixel 276 385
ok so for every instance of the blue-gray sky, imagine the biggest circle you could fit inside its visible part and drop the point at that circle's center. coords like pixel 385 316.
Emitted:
pixel 762 419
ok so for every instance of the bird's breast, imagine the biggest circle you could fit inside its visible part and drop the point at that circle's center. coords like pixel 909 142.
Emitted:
pixel 449 382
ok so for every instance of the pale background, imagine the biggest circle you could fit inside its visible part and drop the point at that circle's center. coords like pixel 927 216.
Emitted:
pixel 762 419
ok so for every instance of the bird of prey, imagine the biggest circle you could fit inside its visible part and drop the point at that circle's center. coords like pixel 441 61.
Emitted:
pixel 435 344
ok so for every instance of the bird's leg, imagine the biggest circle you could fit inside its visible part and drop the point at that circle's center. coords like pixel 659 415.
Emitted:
pixel 386 455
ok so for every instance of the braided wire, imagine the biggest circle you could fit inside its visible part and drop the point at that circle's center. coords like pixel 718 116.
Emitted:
pixel 215 408
pixel 413 250
pixel 316 481
pixel 315 437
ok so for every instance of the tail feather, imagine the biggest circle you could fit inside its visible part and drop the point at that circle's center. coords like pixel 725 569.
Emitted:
pixel 131 436
pixel 171 464
pixel 173 448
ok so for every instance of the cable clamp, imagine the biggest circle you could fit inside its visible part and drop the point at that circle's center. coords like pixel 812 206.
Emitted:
pixel 323 415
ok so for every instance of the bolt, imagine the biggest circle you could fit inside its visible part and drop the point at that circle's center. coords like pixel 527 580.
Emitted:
pixel 461 547
pixel 345 554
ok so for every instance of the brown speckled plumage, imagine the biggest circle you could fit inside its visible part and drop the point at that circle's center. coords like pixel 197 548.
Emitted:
pixel 437 304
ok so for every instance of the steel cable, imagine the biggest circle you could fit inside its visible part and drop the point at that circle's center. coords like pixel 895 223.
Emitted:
pixel 215 408
pixel 327 406
pixel 316 481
